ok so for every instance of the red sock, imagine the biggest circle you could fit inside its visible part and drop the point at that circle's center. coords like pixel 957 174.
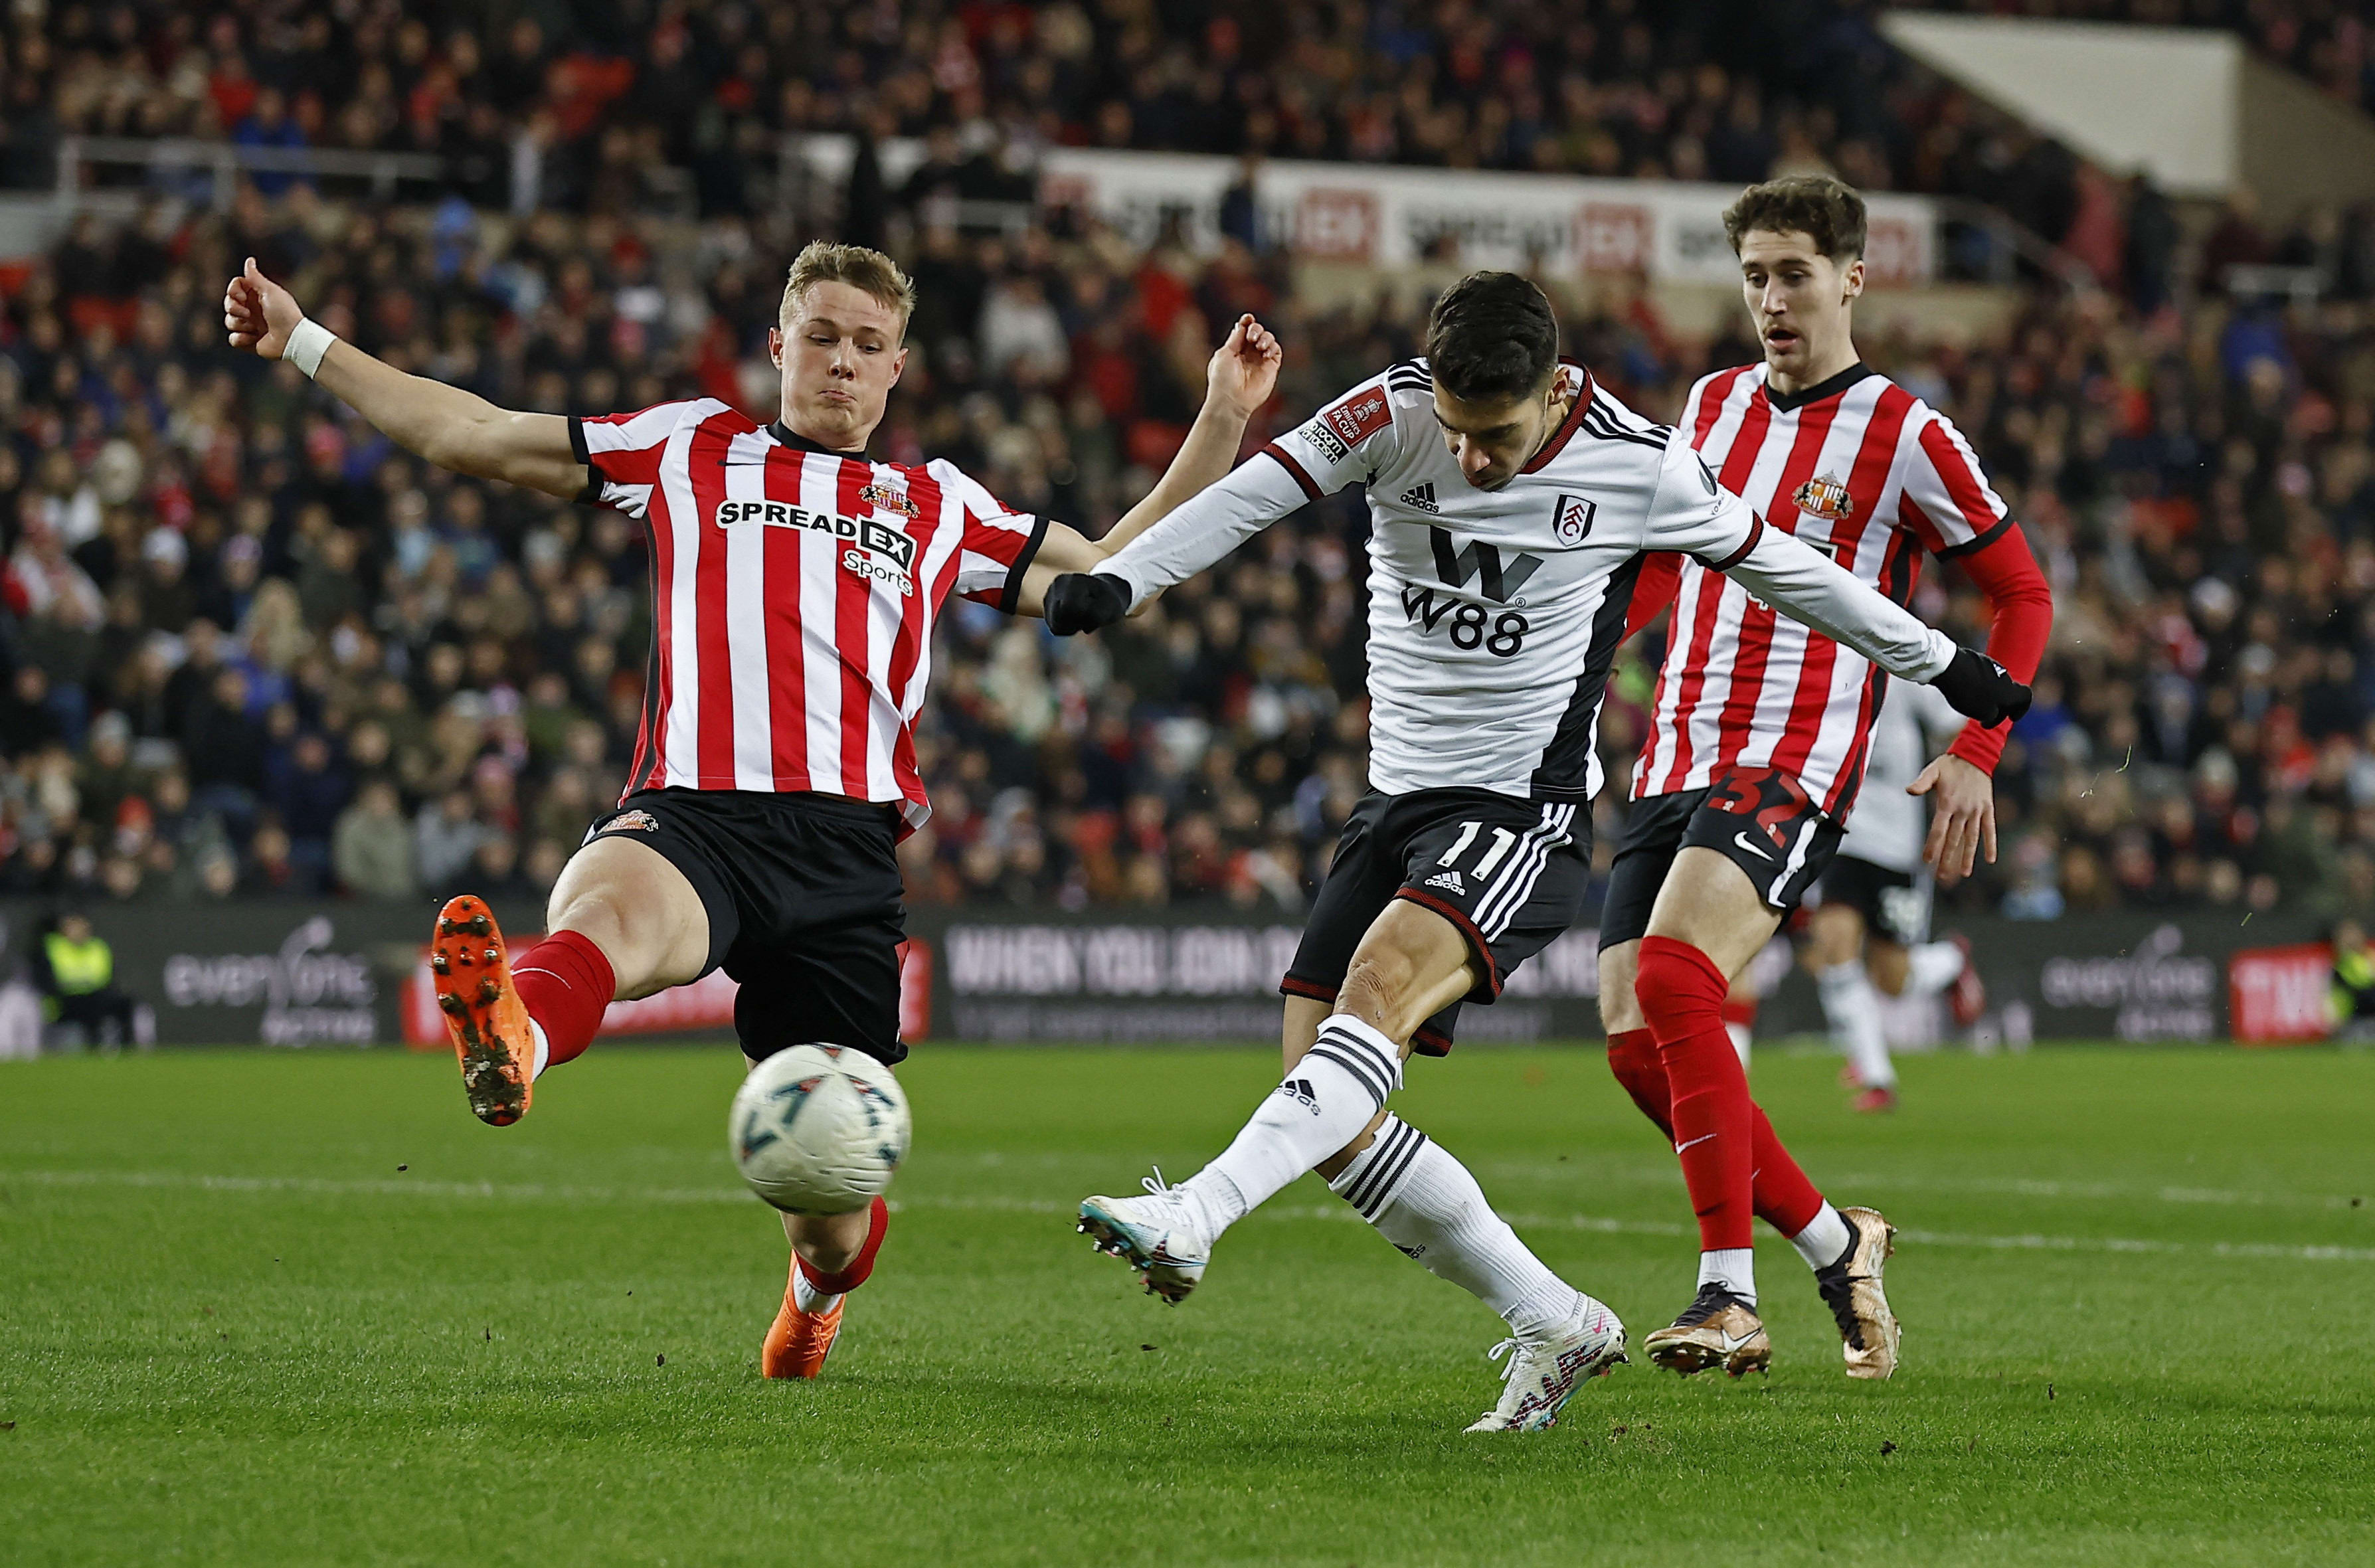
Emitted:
pixel 1633 1057
pixel 849 1278
pixel 1785 1199
pixel 1682 992
pixel 565 982
pixel 1740 1012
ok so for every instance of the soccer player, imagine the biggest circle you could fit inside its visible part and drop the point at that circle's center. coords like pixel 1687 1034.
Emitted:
pixel 1511 502
pixel 1868 931
pixel 795 585
pixel 1757 741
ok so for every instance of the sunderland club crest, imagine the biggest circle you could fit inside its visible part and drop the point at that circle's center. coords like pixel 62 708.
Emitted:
pixel 1825 497
pixel 883 498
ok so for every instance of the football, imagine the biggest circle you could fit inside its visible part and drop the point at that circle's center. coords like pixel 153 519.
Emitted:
pixel 819 1129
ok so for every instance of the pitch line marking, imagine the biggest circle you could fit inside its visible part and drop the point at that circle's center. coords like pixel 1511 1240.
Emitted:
pixel 536 1191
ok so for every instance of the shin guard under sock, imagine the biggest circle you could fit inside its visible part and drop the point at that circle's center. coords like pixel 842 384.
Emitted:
pixel 1681 994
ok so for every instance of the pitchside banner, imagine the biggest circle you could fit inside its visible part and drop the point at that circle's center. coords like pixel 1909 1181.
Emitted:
pixel 1377 214
pixel 337 974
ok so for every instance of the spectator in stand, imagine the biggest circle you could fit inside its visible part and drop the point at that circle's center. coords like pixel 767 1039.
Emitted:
pixel 372 849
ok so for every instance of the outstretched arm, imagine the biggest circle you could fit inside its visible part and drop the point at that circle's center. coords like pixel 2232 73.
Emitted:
pixel 1238 382
pixel 1689 512
pixel 454 429
pixel 1807 585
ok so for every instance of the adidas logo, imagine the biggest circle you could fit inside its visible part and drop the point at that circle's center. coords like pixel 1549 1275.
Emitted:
pixel 1299 1090
pixel 1421 497
pixel 1448 880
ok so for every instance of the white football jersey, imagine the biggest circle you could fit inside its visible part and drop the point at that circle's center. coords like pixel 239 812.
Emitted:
pixel 1494 615
pixel 1888 826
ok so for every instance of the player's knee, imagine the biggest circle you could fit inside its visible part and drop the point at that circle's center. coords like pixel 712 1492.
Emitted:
pixel 1379 987
pixel 1677 983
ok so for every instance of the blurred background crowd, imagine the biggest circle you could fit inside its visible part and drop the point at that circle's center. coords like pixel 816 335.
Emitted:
pixel 251 648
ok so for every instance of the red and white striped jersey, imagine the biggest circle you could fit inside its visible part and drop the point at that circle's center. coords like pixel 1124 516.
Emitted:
pixel 793 593
pixel 1868 474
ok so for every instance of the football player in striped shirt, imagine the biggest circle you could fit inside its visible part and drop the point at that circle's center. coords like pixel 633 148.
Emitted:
pixel 1511 501
pixel 1758 737
pixel 795 586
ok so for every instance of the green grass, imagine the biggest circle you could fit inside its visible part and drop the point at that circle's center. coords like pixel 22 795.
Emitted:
pixel 300 1308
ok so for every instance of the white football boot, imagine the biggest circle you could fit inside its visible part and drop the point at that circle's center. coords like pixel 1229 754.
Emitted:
pixel 1543 1375
pixel 1161 1235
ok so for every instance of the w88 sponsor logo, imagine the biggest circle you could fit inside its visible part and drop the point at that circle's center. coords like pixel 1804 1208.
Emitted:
pixel 1466 623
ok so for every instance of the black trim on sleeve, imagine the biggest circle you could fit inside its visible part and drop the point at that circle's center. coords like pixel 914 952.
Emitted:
pixel 592 494
pixel 1292 466
pixel 1736 557
pixel 2004 524
pixel 1011 595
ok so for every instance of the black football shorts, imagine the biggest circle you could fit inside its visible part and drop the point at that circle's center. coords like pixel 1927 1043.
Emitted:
pixel 1759 818
pixel 1895 904
pixel 1509 872
pixel 804 902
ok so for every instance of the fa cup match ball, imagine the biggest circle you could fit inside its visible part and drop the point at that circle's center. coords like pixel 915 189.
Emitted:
pixel 819 1129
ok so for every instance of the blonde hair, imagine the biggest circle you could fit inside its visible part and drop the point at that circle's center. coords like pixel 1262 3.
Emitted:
pixel 869 271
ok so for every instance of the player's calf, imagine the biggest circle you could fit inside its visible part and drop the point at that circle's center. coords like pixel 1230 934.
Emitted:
pixel 803 1333
pixel 1429 1207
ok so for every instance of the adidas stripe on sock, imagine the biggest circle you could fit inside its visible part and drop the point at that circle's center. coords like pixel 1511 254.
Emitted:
pixel 1427 1203
pixel 1324 1102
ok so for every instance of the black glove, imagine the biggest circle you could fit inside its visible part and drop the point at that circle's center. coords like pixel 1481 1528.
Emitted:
pixel 1980 689
pixel 1088 601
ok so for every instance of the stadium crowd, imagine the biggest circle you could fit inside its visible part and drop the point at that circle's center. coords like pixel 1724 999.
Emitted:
pixel 250 648
pixel 602 107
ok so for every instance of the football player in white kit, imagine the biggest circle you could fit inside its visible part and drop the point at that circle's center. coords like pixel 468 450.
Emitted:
pixel 1512 501
pixel 1868 928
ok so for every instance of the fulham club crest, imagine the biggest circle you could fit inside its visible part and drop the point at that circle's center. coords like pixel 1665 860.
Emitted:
pixel 883 498
pixel 1825 497
pixel 1571 524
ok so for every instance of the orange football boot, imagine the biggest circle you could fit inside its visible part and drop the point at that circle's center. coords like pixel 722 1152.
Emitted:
pixel 799 1341
pixel 484 1016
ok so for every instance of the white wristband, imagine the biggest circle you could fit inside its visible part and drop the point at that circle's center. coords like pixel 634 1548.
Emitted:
pixel 308 343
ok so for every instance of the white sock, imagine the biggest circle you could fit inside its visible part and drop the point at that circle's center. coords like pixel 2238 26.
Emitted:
pixel 1326 1100
pixel 1825 1237
pixel 1743 1037
pixel 1853 1009
pixel 1934 966
pixel 1732 1267
pixel 1427 1203
pixel 807 1297
pixel 543 1051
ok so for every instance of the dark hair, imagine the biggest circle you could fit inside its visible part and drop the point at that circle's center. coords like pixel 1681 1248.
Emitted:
pixel 1828 211
pixel 1492 337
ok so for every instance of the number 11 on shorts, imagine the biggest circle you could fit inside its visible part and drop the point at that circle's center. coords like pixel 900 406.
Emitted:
pixel 1503 841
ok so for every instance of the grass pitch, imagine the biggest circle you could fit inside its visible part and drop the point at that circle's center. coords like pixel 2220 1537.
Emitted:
pixel 300 1308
